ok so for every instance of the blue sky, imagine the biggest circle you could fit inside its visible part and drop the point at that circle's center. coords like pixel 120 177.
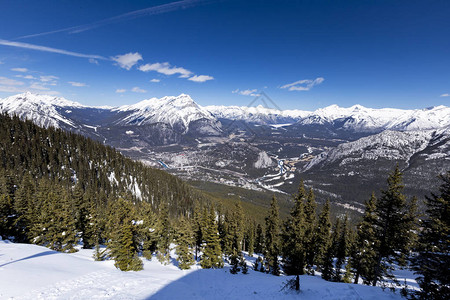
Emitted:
pixel 302 54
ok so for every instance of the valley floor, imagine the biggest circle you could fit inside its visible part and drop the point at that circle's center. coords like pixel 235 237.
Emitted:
pixel 34 272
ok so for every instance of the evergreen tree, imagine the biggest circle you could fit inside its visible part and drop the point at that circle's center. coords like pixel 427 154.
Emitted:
pixel 147 230
pixel 433 260
pixel 310 226
pixel 364 258
pixel 185 239
pixel 328 266
pixel 6 216
pixel 394 226
pixel 273 237
pixel 251 239
pixel 123 236
pixel 322 239
pixel 342 249
pixel 259 240
pixel 212 253
pixel 164 235
pixel 294 239
pixel 23 205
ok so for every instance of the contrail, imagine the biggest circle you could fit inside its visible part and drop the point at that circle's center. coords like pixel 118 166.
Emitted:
pixel 154 10
pixel 49 49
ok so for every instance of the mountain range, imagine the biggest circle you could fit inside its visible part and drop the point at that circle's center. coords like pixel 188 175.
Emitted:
pixel 261 148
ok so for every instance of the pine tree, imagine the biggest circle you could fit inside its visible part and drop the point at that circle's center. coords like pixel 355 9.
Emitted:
pixel 433 261
pixel 234 261
pixel 251 239
pixel 23 205
pixel 310 226
pixel 294 240
pixel 328 266
pixel 123 235
pixel 185 239
pixel 259 240
pixel 364 258
pixel 342 249
pixel 273 238
pixel 6 216
pixel 147 230
pixel 322 235
pixel 164 235
pixel 212 253
pixel 394 226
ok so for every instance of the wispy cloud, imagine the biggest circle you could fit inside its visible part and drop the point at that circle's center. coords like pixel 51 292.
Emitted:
pixel 303 85
pixel 166 69
pixel 138 90
pixel 445 95
pixel 155 80
pixel 249 92
pixel 37 86
pixel 121 91
pixel 153 10
pixel 127 61
pixel 77 84
pixel 48 78
pixel 23 70
pixel 200 78
pixel 25 76
pixel 93 61
pixel 48 49
pixel 10 82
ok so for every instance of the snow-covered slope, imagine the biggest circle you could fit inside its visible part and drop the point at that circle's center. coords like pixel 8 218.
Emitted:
pixel 34 272
pixel 390 145
pixel 357 118
pixel 256 114
pixel 360 118
pixel 41 109
pixel 174 111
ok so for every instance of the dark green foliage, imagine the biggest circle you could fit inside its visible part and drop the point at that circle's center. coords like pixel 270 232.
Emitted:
pixel 234 261
pixel 294 240
pixel 322 236
pixel 243 265
pixel 394 226
pixel 433 260
pixel 122 231
pixel 185 240
pixel 250 238
pixel 273 238
pixel 328 266
pixel 212 253
pixel 259 240
pixel 342 248
pixel 364 256
pixel 310 231
pixel 164 235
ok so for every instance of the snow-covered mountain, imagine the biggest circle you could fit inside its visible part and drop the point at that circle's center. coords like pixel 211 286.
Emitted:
pixel 355 118
pixel 180 111
pixel 360 118
pixel 389 145
pixel 257 114
pixel 43 110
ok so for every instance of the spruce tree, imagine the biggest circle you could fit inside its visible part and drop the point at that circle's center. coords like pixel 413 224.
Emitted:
pixel 328 272
pixel 433 260
pixel 212 253
pixel 251 239
pixel 259 240
pixel 310 226
pixel 322 239
pixel 342 249
pixel 394 227
pixel 185 239
pixel 364 257
pixel 294 239
pixel 273 237
pixel 164 235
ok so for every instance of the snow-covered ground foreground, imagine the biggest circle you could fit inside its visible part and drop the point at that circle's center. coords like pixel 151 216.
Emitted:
pixel 34 272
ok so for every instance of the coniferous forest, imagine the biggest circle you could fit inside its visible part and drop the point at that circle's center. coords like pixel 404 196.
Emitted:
pixel 62 190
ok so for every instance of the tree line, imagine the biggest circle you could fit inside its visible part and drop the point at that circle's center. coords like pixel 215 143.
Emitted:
pixel 62 190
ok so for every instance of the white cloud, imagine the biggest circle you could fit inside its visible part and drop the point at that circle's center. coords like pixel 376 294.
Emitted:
pixel 138 90
pixel 155 80
pixel 121 90
pixel 303 85
pixel 48 78
pixel 93 61
pixel 166 69
pixel 23 70
pixel 445 95
pixel 127 61
pixel 77 84
pixel 25 76
pixel 201 78
pixel 48 49
pixel 249 92
pixel 37 86
pixel 10 82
